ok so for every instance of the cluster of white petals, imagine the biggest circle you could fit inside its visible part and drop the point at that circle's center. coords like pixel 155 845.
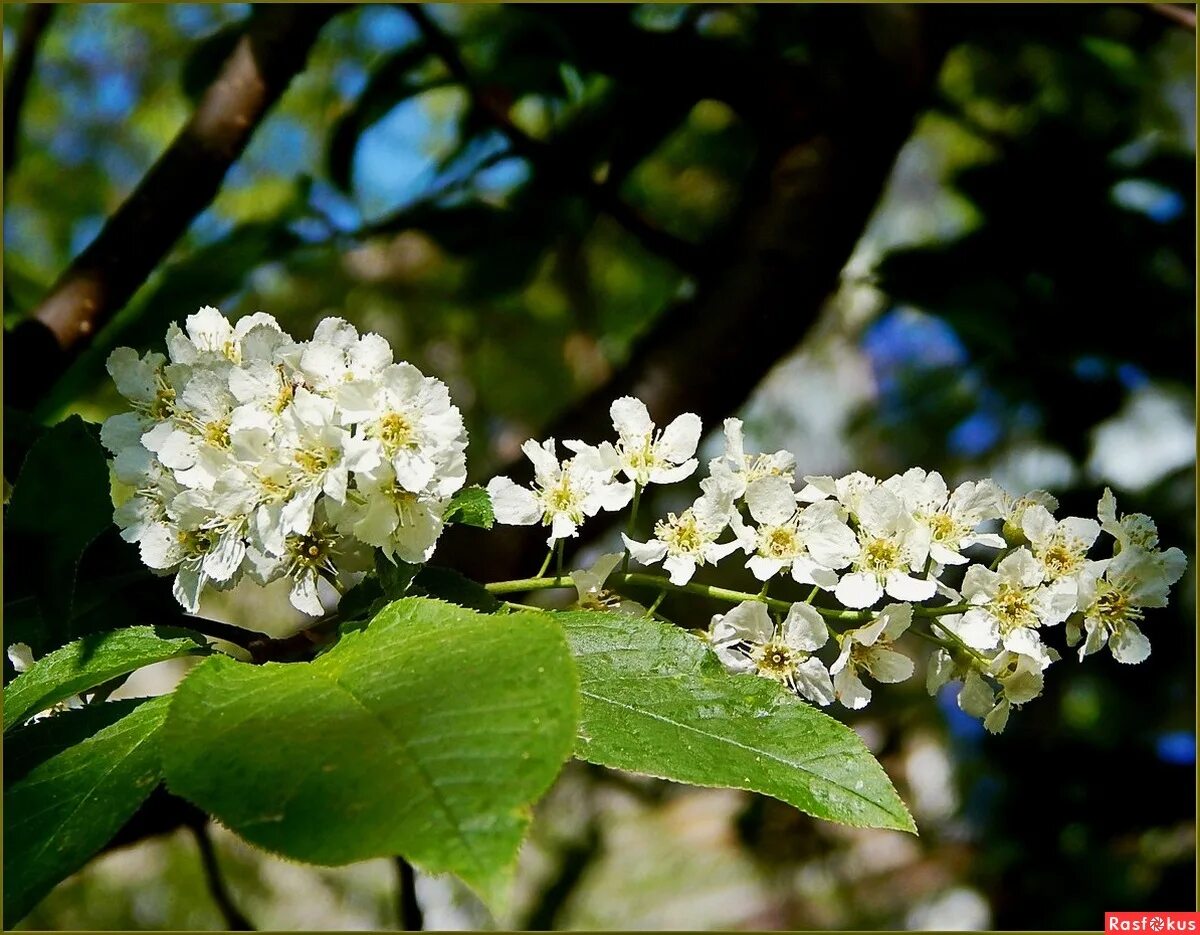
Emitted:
pixel 249 453
pixel 983 575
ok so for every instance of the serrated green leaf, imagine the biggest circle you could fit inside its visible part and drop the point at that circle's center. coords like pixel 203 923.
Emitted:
pixel 427 734
pixel 69 806
pixel 26 747
pixel 91 661
pixel 655 700
pixel 449 585
pixel 394 577
pixel 60 503
pixel 471 506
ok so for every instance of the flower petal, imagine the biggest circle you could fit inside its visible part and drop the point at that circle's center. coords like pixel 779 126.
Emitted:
pixel 804 629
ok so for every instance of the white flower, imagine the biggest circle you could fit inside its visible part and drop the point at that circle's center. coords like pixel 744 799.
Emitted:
pixel 951 518
pixel 563 494
pixel 194 442
pixel 868 649
pixel 744 468
pixel 249 450
pixel 133 464
pixel 684 542
pixel 210 336
pixel 1138 531
pixel 891 545
pixel 745 640
pixel 1060 546
pixel 381 512
pixel 976 697
pixel 148 382
pixel 1009 605
pixel 1112 598
pixel 338 361
pixel 198 556
pixel 1012 510
pixel 591 593
pixel 1020 678
pixel 848 490
pixel 1132 529
pixel 312 438
pixel 650 457
pixel 406 419
pixel 21 657
pixel 321 552
pixel 811 543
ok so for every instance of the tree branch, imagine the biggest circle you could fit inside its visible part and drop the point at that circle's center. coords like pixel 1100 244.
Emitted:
pixel 547 160
pixel 180 185
pixel 234 920
pixel 1184 16
pixel 823 163
pixel 33 26
pixel 408 909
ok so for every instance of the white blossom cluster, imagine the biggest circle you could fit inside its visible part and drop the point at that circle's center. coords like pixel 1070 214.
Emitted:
pixel 249 453
pixel 878 547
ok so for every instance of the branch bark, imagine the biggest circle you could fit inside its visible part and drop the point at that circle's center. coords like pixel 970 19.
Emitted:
pixel 408 908
pixel 37 19
pixel 1180 15
pixel 545 159
pixel 822 167
pixel 180 185
pixel 234 920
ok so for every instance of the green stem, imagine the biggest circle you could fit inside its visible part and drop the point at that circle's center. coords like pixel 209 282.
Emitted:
pixel 629 527
pixel 812 595
pixel 333 579
pixel 558 565
pixel 706 590
pixel 653 607
pixel 957 641
pixel 930 638
pixel 546 563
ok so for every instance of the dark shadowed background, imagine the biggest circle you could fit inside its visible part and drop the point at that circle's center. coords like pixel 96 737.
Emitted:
pixel 957 237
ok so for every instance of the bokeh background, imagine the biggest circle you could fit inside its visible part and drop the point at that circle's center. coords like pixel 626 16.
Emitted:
pixel 959 237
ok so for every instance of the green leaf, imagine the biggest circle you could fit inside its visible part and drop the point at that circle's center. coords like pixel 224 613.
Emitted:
pixel 69 806
pixel 60 503
pixel 395 578
pixel 427 734
pixel 449 585
pixel 655 700
pixel 28 746
pixel 471 506
pixel 91 661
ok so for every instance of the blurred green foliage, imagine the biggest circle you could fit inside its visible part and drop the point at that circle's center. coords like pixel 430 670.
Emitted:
pixel 1027 277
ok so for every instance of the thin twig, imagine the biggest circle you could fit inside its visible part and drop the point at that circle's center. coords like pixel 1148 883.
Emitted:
pixel 408 909
pixel 688 257
pixel 228 632
pixel 37 18
pixel 234 920
pixel 519 585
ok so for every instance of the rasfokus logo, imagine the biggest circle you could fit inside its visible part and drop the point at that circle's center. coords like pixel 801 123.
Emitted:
pixel 1151 921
